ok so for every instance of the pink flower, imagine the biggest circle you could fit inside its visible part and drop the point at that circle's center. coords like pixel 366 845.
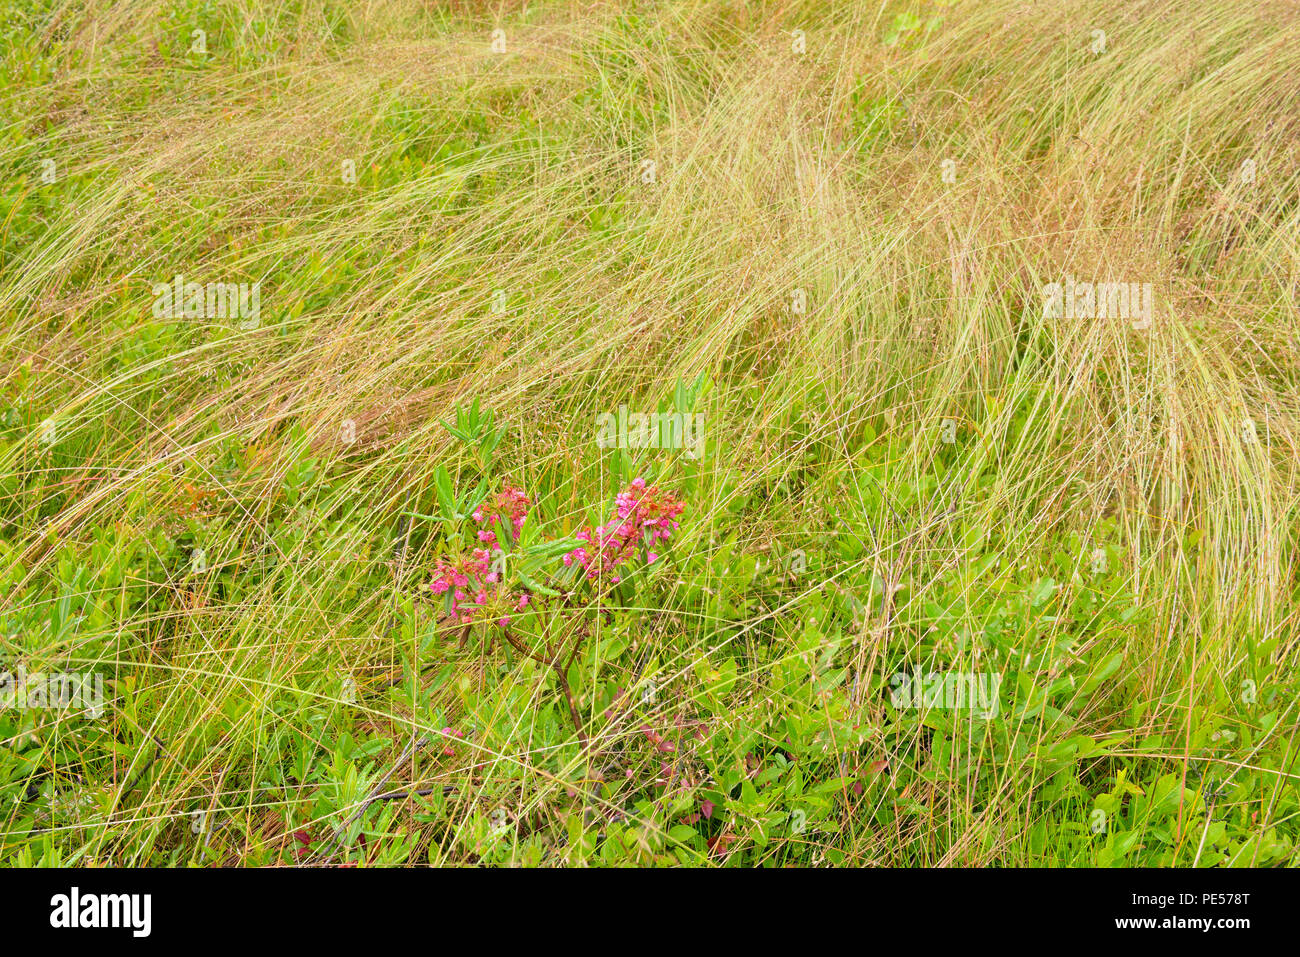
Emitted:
pixel 449 750
pixel 640 512
pixel 472 581
pixel 643 515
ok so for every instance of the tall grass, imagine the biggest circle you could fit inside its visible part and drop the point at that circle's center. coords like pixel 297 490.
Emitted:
pixel 776 175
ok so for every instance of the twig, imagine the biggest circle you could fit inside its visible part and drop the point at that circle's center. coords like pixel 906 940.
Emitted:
pixel 131 785
pixel 370 799
pixel 553 660
pixel 447 791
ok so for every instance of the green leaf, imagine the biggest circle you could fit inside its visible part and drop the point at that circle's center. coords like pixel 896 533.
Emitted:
pixel 558 547
pixel 532 585
pixel 1042 590
pixel 446 498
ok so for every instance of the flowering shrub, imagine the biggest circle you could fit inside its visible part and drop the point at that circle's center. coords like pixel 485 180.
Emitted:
pixel 643 515
pixel 472 582
pixel 482 587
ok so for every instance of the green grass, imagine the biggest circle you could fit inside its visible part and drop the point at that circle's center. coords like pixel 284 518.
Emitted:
pixel 218 516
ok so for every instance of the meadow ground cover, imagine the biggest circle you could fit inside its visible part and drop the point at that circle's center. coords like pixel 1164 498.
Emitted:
pixel 688 433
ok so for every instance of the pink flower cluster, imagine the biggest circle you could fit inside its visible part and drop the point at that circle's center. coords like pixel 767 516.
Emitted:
pixel 510 505
pixel 643 514
pixel 472 582
pixel 450 733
